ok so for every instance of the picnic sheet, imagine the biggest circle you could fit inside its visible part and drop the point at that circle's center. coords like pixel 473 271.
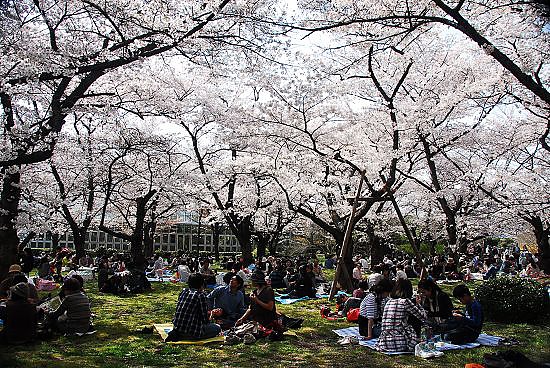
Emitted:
pixel 164 328
pixel 483 339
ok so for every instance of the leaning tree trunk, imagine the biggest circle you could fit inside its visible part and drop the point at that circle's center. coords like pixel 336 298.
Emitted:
pixel 9 207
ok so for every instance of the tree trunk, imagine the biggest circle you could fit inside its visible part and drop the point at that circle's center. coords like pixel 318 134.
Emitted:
pixel 148 237
pixel 216 232
pixel 244 236
pixel 542 235
pixel 9 207
pixel 30 236
pixel 79 241
pixel 263 239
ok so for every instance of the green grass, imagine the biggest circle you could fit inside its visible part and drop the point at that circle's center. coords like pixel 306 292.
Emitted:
pixel 119 344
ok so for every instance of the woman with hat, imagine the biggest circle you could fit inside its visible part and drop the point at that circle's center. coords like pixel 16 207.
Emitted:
pixel 262 304
pixel 19 316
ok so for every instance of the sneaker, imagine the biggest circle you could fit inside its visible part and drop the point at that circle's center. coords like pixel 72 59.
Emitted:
pixel 249 339
pixel 345 340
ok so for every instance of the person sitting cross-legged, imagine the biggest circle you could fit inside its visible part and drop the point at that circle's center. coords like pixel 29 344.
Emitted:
pixel 227 302
pixel 74 313
pixel 191 320
pixel 466 326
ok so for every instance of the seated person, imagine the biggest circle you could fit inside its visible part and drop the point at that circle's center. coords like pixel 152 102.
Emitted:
pixel 436 302
pixel 372 308
pixel 302 284
pixel 5 285
pixel 375 277
pixel 492 271
pixel 227 302
pixel 208 273
pixel 19 316
pixel 277 277
pixel 74 313
pixel 44 268
pixel 318 272
pixel 397 333
pixel 344 303
pixel 361 290
pixel 192 320
pixel 466 326
pixel 262 304
pixel 33 293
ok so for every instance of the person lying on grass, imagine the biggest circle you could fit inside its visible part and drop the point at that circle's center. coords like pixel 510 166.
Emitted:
pixel 192 320
pixel 465 326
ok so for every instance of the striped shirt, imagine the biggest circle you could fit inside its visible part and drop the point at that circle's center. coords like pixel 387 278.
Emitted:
pixel 370 308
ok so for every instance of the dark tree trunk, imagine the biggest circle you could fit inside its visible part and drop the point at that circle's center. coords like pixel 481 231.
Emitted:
pixel 9 206
pixel 148 237
pixel 263 240
pixel 542 235
pixel 30 236
pixel 244 236
pixel 216 232
pixel 79 239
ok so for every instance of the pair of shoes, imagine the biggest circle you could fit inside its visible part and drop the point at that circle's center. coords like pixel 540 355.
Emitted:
pixel 349 340
pixel 232 339
pixel 249 339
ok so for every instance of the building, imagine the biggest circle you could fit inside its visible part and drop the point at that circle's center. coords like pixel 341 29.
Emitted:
pixel 178 234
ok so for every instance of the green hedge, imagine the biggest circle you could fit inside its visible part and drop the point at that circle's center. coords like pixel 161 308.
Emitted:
pixel 513 299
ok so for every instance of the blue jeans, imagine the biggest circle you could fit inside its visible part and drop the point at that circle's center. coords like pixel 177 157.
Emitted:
pixel 210 330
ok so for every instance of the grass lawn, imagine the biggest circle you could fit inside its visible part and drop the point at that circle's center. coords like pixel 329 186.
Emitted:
pixel 119 344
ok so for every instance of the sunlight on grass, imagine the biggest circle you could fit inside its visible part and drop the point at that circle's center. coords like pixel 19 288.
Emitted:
pixel 118 342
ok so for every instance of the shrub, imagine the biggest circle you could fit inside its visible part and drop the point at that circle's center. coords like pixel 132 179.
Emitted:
pixel 513 299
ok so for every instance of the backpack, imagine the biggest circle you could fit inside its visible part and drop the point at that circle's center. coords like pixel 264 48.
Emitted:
pixel 353 315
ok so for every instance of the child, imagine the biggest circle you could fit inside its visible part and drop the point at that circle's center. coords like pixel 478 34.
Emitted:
pixel 466 326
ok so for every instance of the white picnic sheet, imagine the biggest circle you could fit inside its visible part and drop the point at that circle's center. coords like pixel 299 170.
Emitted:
pixel 483 339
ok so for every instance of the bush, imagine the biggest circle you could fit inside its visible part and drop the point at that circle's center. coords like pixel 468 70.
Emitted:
pixel 513 299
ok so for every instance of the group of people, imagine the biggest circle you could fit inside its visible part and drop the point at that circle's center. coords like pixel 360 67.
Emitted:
pixel 391 313
pixel 199 315
pixel 22 311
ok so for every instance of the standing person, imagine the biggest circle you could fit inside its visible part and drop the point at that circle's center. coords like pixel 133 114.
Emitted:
pixel 372 308
pixel 467 324
pixel 192 320
pixel 262 304
pixel 397 333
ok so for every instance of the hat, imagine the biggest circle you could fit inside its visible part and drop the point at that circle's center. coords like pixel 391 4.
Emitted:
pixel 21 289
pixel 258 277
pixel 14 268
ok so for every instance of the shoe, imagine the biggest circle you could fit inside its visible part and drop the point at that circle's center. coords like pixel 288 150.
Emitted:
pixel 249 339
pixel 345 340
